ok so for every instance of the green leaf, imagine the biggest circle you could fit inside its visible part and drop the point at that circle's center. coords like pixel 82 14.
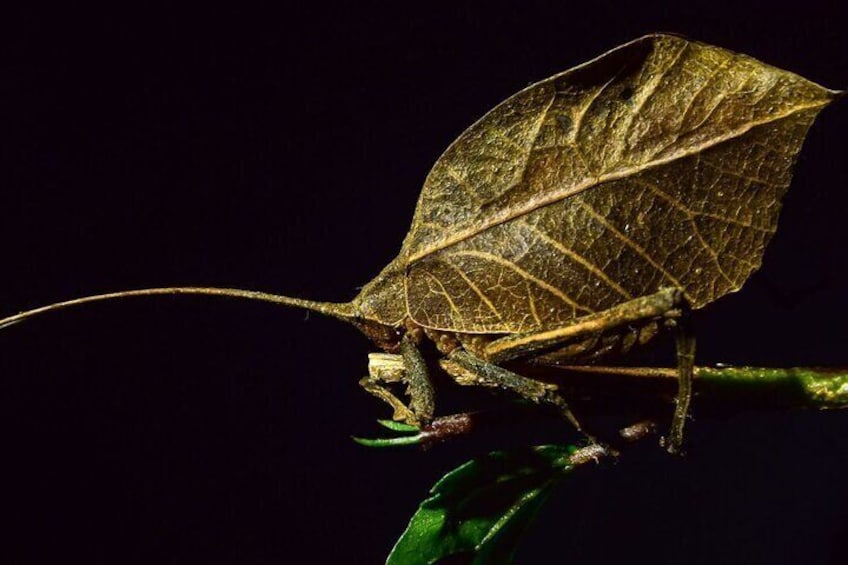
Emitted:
pixel 479 510
pixel 398 426
pixel 389 441
pixel 407 435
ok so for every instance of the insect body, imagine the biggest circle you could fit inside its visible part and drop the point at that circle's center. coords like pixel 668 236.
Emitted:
pixel 587 208
pixel 580 216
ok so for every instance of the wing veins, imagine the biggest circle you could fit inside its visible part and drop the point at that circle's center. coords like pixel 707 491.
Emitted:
pixel 678 204
pixel 445 293
pixel 630 243
pixel 463 183
pixel 727 220
pixel 471 284
pixel 532 301
pixel 633 113
pixel 557 195
pixel 574 256
pixel 737 174
pixel 525 152
pixel 526 275
pixel 578 122
pixel 690 216
pixel 707 81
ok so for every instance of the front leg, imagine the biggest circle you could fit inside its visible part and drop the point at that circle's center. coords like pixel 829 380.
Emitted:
pixel 409 368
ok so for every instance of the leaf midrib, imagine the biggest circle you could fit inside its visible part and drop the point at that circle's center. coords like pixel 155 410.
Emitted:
pixel 558 195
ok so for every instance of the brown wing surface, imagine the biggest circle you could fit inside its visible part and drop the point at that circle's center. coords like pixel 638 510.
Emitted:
pixel 661 163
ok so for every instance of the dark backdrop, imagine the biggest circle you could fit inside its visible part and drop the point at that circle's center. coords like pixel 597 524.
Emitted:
pixel 284 151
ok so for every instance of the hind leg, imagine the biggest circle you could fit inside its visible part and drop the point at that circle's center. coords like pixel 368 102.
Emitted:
pixel 685 343
pixel 667 304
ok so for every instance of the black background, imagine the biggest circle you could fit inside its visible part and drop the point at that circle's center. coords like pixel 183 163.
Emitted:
pixel 284 152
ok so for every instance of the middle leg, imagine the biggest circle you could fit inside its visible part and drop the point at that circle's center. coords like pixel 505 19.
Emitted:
pixel 466 369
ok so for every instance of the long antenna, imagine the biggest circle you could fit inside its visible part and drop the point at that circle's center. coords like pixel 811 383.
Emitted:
pixel 343 311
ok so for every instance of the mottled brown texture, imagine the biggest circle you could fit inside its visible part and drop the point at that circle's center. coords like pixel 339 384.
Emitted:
pixel 660 164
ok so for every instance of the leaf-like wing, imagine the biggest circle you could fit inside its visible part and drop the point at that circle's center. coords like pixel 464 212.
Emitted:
pixel 661 163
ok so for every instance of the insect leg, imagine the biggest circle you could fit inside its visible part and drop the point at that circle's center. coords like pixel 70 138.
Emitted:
pixel 668 303
pixel 384 368
pixel 418 385
pixel 662 303
pixel 685 343
pixel 466 369
pixel 409 368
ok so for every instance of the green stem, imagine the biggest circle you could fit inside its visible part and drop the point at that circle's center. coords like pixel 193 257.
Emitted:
pixel 816 387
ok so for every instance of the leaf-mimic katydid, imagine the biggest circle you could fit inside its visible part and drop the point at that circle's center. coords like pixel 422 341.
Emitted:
pixel 579 218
